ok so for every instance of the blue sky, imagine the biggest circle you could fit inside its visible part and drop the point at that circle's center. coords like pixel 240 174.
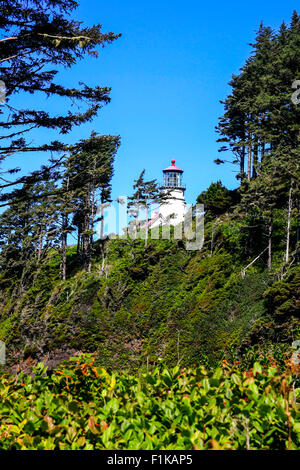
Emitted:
pixel 168 72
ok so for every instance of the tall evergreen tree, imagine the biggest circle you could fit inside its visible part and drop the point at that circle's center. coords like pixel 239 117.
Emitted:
pixel 146 193
pixel 262 122
pixel 259 114
pixel 39 37
pixel 28 230
pixel 89 171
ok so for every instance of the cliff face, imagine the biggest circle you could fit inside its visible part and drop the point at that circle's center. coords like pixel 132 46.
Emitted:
pixel 142 304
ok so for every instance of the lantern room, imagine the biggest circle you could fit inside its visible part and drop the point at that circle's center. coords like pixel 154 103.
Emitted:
pixel 173 177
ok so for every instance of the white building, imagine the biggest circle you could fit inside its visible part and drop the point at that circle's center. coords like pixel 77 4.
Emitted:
pixel 172 210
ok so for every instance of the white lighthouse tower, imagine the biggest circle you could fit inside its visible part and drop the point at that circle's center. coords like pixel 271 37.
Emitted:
pixel 172 210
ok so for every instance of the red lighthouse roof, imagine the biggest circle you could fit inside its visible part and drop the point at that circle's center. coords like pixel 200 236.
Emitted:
pixel 173 167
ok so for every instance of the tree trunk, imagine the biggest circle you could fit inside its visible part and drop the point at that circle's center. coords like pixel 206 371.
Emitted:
pixel 65 223
pixel 64 248
pixel 147 220
pixel 249 161
pixel 287 250
pixel 262 144
pixel 91 238
pixel 270 230
pixel 137 218
pixel 262 152
pixel 102 226
pixel 86 229
pixel 40 246
pixel 242 162
pixel 255 161
pixel 78 240
pixel 102 218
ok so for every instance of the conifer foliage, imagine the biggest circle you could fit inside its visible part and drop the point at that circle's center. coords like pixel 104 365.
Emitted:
pixel 39 37
pixel 261 127
pixel 145 194
pixel 45 208
pixel 261 120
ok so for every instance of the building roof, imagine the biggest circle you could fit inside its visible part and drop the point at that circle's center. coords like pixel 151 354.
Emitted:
pixel 156 215
pixel 173 167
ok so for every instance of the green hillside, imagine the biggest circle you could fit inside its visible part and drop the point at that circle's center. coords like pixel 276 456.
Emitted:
pixel 159 302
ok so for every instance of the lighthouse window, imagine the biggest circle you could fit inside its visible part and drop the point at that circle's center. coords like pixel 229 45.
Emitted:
pixel 173 179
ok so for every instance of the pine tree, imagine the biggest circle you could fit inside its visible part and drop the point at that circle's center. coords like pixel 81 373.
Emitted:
pixel 259 114
pixel 89 172
pixel 28 231
pixel 262 122
pixel 38 37
pixel 136 201
pixel 146 193
pixel 217 199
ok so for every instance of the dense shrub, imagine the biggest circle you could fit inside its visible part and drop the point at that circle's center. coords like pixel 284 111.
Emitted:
pixel 81 406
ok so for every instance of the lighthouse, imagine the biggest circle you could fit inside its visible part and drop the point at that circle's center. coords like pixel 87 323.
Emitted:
pixel 172 210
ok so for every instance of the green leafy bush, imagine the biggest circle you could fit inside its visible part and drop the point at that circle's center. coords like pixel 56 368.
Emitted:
pixel 81 406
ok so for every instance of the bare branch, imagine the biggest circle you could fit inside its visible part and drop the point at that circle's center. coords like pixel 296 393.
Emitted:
pixel 14 56
pixel 64 37
pixel 9 39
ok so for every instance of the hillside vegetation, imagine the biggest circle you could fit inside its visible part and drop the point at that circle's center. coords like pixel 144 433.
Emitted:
pixel 159 302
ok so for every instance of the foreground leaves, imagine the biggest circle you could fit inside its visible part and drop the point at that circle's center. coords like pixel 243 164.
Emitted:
pixel 84 407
